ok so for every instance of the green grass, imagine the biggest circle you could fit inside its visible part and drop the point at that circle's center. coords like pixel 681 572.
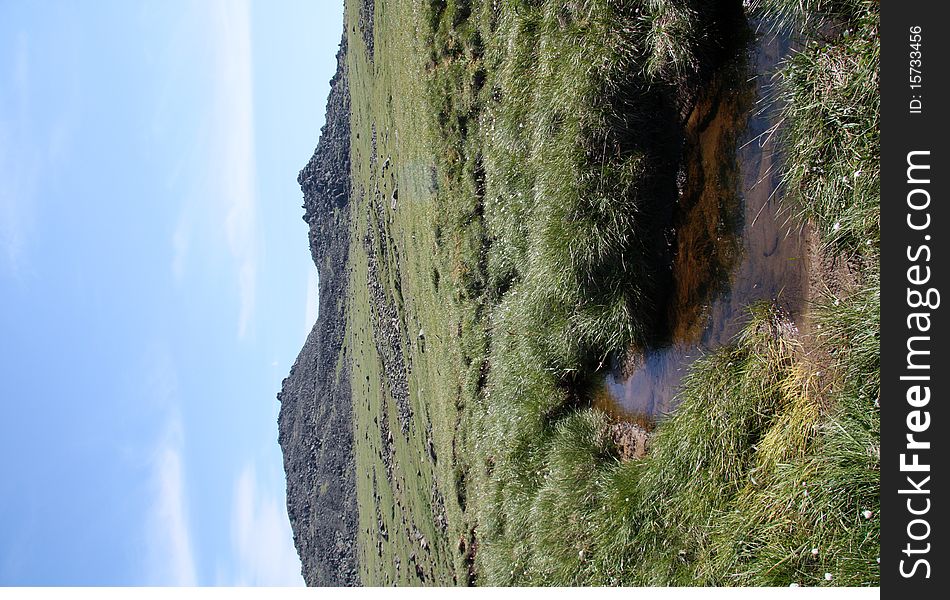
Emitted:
pixel 831 101
pixel 748 476
pixel 555 131
pixel 381 97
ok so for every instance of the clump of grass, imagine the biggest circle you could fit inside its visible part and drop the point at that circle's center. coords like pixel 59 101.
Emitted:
pixel 830 101
pixel 804 515
pixel 560 130
pixel 811 18
pixel 578 153
pixel 704 455
pixel 743 481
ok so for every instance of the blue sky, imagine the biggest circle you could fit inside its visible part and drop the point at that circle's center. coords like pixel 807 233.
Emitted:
pixel 155 284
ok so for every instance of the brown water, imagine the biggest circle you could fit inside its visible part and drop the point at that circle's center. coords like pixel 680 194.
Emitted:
pixel 735 245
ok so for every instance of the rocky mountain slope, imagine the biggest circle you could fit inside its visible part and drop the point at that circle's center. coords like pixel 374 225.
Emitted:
pixel 315 420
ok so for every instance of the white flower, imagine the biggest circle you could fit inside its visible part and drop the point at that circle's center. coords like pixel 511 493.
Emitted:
pixel 867 514
pixel 793 584
pixel 827 576
pixel 836 226
pixel 814 551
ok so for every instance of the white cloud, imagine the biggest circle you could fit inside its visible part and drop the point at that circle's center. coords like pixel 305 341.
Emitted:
pixel 19 164
pixel 16 218
pixel 181 241
pixel 247 289
pixel 312 310
pixel 217 164
pixel 261 535
pixel 234 152
pixel 168 536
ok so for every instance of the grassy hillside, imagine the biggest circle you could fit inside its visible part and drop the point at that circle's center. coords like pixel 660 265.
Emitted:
pixel 515 167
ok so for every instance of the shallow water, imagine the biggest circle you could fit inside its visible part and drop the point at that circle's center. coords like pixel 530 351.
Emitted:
pixel 735 245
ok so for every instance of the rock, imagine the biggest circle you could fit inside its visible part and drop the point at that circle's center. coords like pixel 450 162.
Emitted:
pixel 631 440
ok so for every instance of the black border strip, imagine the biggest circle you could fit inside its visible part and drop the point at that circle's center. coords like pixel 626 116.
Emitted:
pixel 908 128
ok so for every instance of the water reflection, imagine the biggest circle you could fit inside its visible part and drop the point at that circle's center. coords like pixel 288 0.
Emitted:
pixel 734 244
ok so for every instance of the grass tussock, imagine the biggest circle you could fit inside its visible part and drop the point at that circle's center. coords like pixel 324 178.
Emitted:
pixel 558 136
pixel 744 483
pixel 829 91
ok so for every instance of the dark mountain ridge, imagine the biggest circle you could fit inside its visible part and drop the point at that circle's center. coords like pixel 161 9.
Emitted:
pixel 315 423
